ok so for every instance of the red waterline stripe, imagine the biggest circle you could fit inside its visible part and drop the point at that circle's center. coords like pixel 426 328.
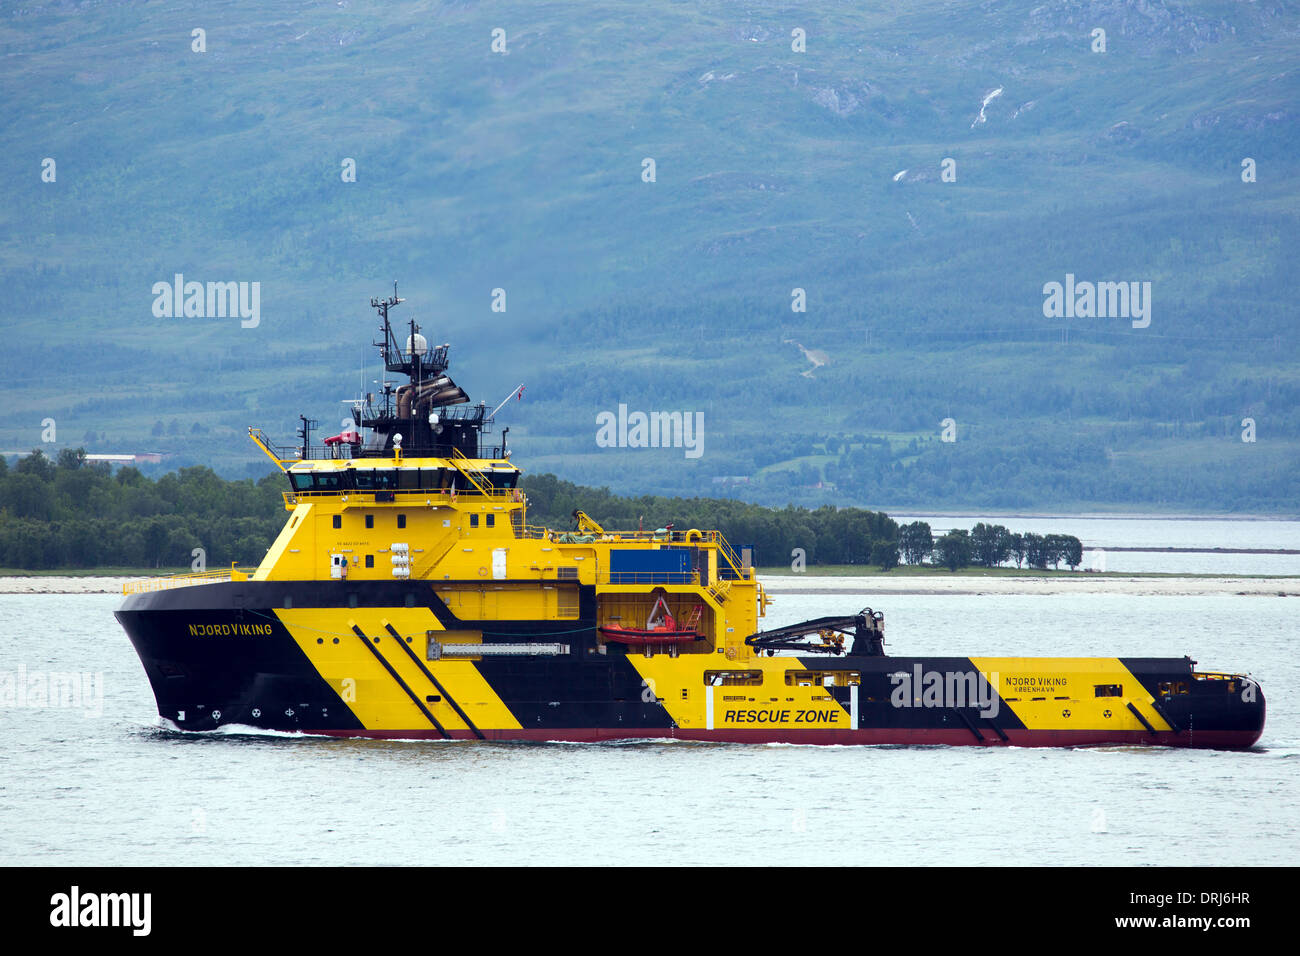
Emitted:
pixel 1213 739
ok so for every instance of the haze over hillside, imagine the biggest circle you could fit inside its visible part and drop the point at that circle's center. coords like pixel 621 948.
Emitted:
pixel 800 159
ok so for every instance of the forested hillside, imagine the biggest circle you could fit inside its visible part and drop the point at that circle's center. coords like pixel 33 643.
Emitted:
pixel 825 231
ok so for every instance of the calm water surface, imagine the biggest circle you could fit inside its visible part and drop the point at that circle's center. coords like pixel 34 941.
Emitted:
pixel 116 789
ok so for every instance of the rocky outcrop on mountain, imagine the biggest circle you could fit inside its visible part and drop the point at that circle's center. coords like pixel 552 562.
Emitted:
pixel 1150 26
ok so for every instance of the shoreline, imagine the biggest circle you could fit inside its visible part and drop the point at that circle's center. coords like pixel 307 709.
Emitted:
pixel 1171 585
pixel 56 584
pixel 1095 515
pixel 865 585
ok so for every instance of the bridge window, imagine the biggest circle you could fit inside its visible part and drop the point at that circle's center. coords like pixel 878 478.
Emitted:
pixel 462 483
pixel 330 481
pixel 319 481
pixel 374 479
pixel 1108 690
pixel 435 479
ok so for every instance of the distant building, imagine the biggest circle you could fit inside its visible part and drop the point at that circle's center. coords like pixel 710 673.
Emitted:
pixel 152 457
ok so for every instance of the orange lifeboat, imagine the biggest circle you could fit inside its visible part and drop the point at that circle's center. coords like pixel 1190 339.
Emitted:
pixel 660 628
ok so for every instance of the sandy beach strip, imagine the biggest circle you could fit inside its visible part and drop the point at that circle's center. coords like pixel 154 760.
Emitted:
pixel 864 585
pixel 51 584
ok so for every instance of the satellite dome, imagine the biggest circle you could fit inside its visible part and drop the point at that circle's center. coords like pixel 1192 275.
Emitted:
pixel 420 345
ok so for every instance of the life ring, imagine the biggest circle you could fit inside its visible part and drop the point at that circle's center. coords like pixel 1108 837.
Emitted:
pixel 482 572
pixel 731 653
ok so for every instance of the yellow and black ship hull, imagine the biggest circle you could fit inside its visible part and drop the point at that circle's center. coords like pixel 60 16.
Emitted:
pixel 377 661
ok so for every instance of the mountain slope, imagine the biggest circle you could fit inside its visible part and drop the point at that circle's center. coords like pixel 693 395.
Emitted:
pixel 775 170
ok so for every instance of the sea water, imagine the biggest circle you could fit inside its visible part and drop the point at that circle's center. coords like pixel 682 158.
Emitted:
pixel 104 783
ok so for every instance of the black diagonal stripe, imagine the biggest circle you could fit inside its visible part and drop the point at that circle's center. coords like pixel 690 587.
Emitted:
pixel 1138 714
pixel 1163 712
pixel 434 681
pixel 969 726
pixel 398 677
pixel 996 729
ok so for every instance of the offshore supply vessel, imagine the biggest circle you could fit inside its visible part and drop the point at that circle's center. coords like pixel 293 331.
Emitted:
pixel 408 597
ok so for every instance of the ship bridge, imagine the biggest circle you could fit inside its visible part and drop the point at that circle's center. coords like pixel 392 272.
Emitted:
pixel 410 499
pixel 433 475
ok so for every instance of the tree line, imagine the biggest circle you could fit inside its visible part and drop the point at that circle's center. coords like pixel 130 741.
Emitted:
pixel 987 546
pixel 68 513
pixel 825 535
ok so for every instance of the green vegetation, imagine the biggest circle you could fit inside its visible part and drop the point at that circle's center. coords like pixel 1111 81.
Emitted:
pixel 826 534
pixel 776 170
pixel 953 550
pixel 67 513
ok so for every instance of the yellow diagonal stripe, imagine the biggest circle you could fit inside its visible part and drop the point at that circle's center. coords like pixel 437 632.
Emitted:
pixel 1060 693
pixel 366 686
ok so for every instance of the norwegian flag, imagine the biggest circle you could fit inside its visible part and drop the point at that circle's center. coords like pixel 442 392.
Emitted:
pixel 519 395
